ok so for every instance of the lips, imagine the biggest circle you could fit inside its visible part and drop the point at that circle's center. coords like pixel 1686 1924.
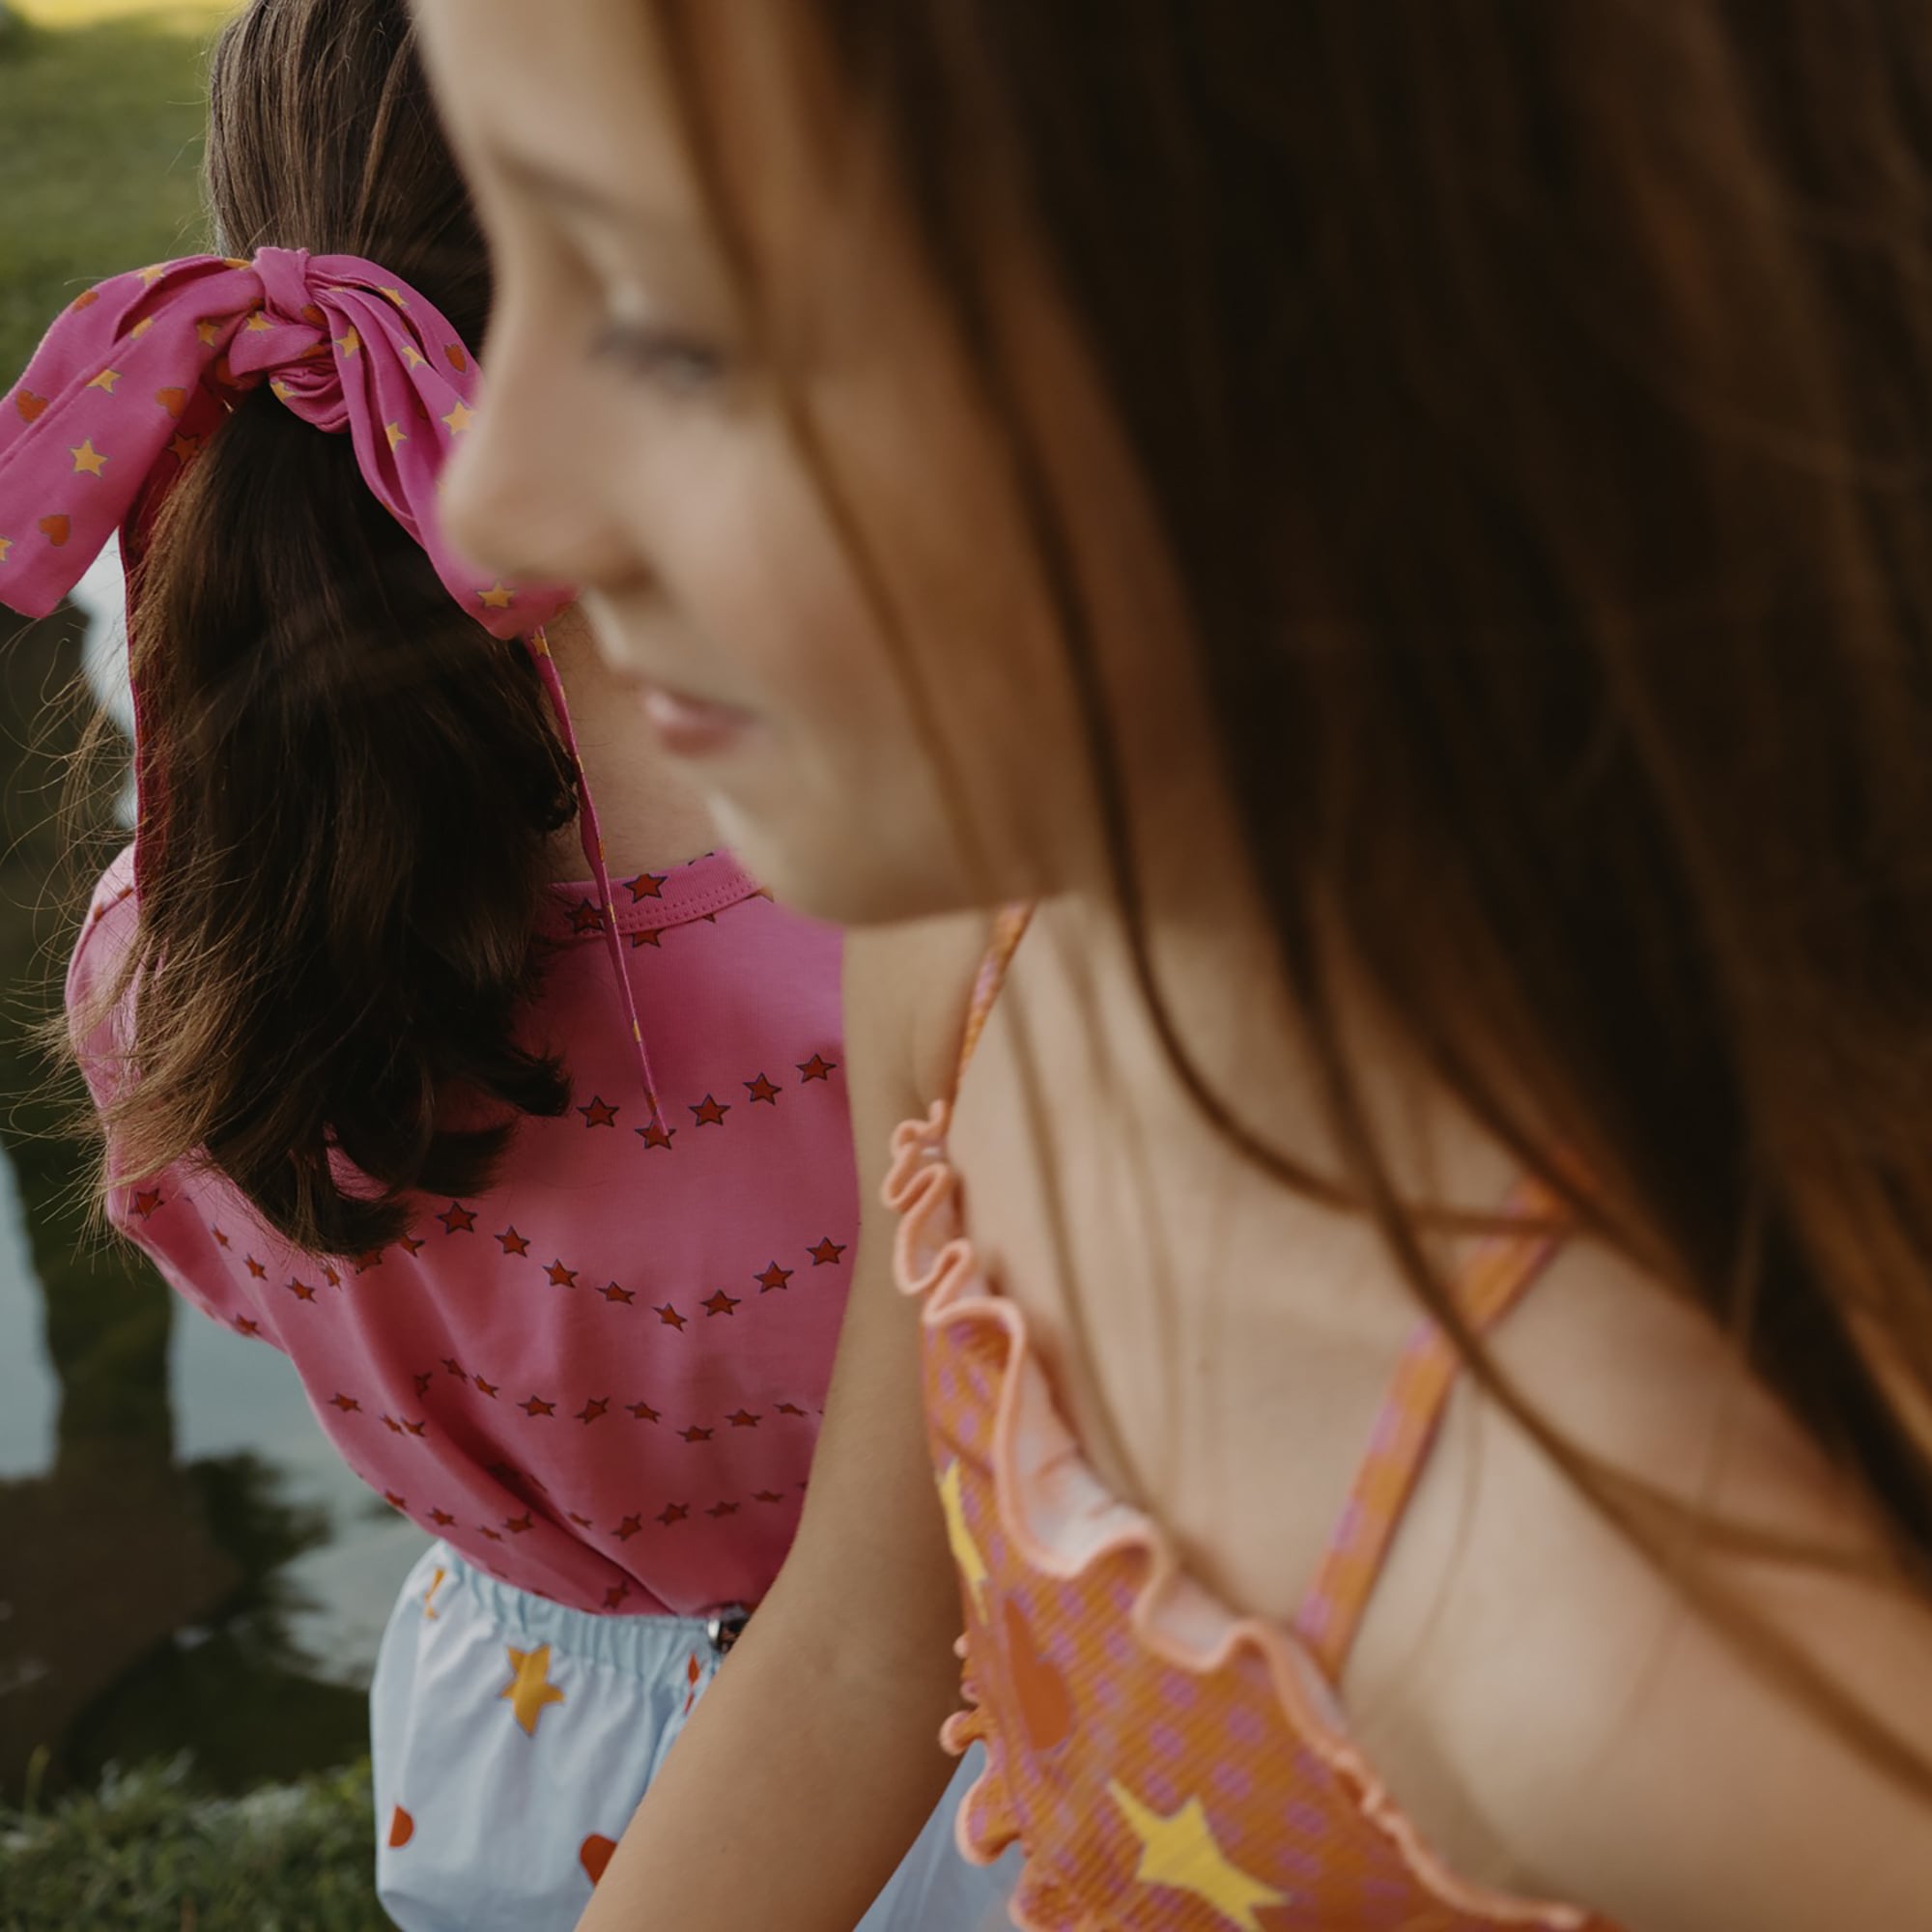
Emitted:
pixel 690 726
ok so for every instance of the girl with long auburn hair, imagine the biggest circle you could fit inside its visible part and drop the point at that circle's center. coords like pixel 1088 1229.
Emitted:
pixel 1402 530
pixel 542 1180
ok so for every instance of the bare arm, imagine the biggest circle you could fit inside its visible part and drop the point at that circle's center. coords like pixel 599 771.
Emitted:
pixel 813 1761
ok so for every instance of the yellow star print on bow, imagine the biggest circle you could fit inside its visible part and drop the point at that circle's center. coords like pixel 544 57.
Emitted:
pixel 1181 1853
pixel 529 1690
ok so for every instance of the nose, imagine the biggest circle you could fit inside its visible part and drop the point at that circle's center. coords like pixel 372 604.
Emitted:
pixel 528 490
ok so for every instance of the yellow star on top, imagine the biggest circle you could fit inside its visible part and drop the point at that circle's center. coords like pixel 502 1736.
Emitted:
pixel 106 380
pixel 6 544
pixel 141 327
pixel 1180 1852
pixel 413 356
pixel 153 275
pixel 529 1690
pixel 460 418
pixel 260 323
pixel 348 342
pixel 497 598
pixel 959 1534
pixel 394 295
pixel 394 432
pixel 89 459
pixel 280 390
pixel 208 331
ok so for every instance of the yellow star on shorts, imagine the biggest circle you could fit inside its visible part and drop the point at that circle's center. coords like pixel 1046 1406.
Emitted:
pixel 394 432
pixel 89 459
pixel 497 598
pixel 106 380
pixel 460 418
pixel 529 1690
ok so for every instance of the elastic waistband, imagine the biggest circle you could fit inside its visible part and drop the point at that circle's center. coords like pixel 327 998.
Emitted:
pixel 640 1646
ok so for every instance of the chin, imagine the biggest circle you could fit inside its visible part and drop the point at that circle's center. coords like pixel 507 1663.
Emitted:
pixel 851 872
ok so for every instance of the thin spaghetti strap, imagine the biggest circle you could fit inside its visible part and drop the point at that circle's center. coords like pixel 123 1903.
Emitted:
pixel 1495 1279
pixel 1008 928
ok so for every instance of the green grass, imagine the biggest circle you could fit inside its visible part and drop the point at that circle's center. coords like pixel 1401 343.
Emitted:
pixel 144 1853
pixel 101 110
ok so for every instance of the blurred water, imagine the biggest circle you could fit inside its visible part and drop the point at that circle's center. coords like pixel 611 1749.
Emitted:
pixel 184 1563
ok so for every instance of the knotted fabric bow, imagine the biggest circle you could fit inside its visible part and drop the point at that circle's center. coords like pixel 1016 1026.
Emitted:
pixel 138 372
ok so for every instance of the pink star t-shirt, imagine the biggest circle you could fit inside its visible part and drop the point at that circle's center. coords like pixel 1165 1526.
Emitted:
pixel 602 1378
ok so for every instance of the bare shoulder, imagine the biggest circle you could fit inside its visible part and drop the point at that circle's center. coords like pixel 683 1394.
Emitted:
pixel 1552 1709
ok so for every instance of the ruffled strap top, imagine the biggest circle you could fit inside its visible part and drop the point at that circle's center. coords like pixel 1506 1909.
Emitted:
pixel 1167 1764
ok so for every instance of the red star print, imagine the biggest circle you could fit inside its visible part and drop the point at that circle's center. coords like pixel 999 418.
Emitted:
pixel 453 1367
pixel 442 1519
pixel 631 1526
pixel 245 1326
pixel 587 916
pixel 790 1408
pixel 696 1435
pixel 723 1509
pixel 673 1513
pixel 517 1525
pixel 368 1258
pixel 826 1252
pixel 256 1269
pixel 593 1408
pixel 653 937
pixel 642 1411
pixel 764 1090
pixel 412 1245
pixel 513 1242
pixel 495 1535
pixel 669 1315
pixel 599 1113
pixel 709 1113
pixel 656 1135
pixel 147 1201
pixel 345 1402
pixel 415 1428
pixel 610 1291
pixel 330 1275
pixel 391 1423
pixel 487 1388
pixel 561 1276
pixel 422 1383
pixel 456 1219
pixel 581 1522
pixel 615 1596
pixel 647 886
pixel 742 1418
pixel 394 1501
pixel 773 1277
pixel 221 1237
pixel 301 1290
pixel 536 1405
pixel 720 1304
pixel 768 1496
pixel 818 1068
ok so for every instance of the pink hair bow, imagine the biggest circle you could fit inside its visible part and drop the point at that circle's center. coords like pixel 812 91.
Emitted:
pixel 133 368
pixel 138 372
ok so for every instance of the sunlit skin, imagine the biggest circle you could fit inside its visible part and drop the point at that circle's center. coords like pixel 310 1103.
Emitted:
pixel 634 440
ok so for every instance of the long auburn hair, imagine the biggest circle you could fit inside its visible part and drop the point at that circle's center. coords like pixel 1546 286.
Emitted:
pixel 350 784
pixel 1537 404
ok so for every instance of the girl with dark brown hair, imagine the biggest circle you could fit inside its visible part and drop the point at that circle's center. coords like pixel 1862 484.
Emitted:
pixel 1404 529
pixel 563 1288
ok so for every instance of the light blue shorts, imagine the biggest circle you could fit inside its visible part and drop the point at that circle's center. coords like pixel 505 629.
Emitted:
pixel 513 1738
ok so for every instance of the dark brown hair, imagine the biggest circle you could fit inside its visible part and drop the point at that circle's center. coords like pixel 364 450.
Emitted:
pixel 1537 402
pixel 350 783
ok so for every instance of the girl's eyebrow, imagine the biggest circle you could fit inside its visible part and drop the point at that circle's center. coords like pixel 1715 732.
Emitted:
pixel 585 197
